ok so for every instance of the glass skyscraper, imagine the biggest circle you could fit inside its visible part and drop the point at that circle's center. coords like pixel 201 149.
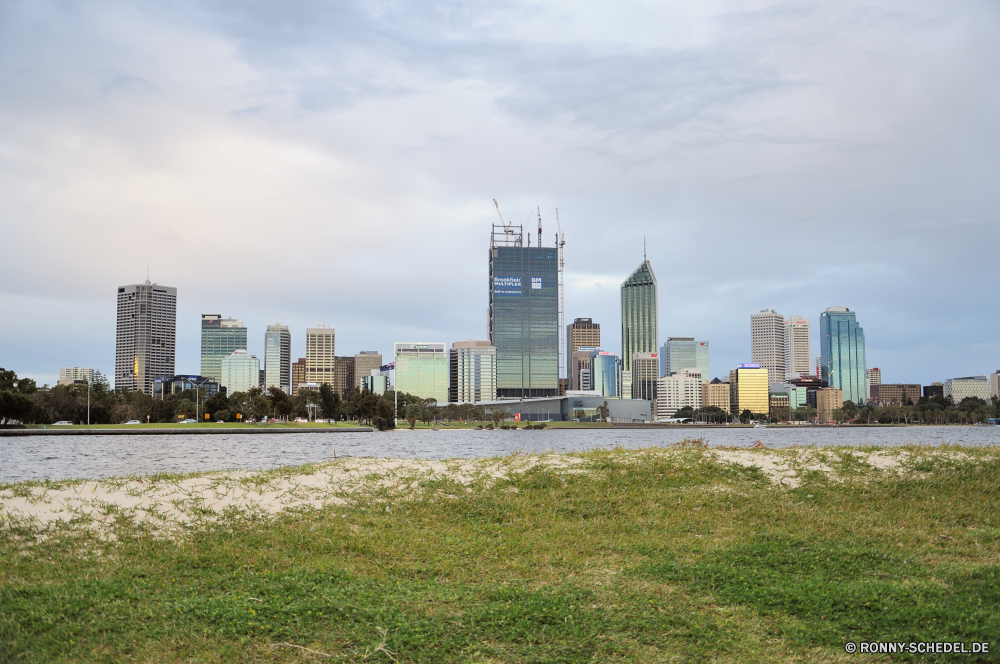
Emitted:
pixel 278 357
pixel 524 315
pixel 842 353
pixel 684 353
pixel 220 337
pixel 639 314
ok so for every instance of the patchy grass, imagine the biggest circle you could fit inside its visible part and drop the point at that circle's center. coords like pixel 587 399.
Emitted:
pixel 610 556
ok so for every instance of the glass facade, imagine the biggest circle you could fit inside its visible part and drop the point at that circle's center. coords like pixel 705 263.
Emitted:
pixel 842 353
pixel 639 314
pixel 749 389
pixel 422 370
pixel 220 337
pixel 604 373
pixel 240 372
pixel 524 318
pixel 684 353
pixel 278 357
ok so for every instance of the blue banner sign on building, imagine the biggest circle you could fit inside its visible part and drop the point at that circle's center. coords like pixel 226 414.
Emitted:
pixel 507 286
pixel 536 283
pixel 748 365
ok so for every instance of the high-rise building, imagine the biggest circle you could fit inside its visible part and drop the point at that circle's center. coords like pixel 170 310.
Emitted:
pixel 579 368
pixel 748 389
pixel 220 337
pixel 684 353
pixel 715 393
pixel 875 376
pixel 145 335
pixel 767 343
pixel 967 386
pixel 364 362
pixel 583 333
pixel 828 399
pixel 645 372
pixel 798 350
pixel 678 390
pixel 298 375
pixel 523 321
pixel 421 369
pixel 995 384
pixel 240 371
pixel 69 375
pixel 321 346
pixel 818 364
pixel 842 353
pixel 639 315
pixel 604 374
pixel 278 357
pixel 473 372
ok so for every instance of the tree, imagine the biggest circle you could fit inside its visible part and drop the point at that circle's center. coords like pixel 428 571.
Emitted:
pixel 499 415
pixel 603 412
pixel 746 416
pixel 281 403
pixel 384 417
pixel 329 402
pixel 412 415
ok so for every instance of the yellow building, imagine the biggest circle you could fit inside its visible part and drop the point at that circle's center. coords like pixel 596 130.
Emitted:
pixel 828 400
pixel 748 389
pixel 715 393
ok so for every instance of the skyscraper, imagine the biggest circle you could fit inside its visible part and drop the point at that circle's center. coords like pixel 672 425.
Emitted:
pixel 523 320
pixel 798 353
pixel 321 344
pixel 639 316
pixel 145 335
pixel 473 372
pixel 583 333
pixel 220 337
pixel 645 372
pixel 842 353
pixel 278 357
pixel 767 343
pixel 240 371
pixel 684 353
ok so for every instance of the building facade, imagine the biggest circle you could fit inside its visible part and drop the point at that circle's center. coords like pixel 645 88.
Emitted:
pixel 69 375
pixel 645 373
pixel 472 367
pixel 842 353
pixel 364 363
pixel 605 374
pixel 579 368
pixel 967 386
pixel 684 353
pixel 715 393
pixel 165 385
pixel 828 399
pixel 894 394
pixel 767 343
pixel 748 389
pixel 220 337
pixel 523 322
pixel 240 372
pixel 343 376
pixel 421 369
pixel 639 316
pixel 145 335
pixel 278 357
pixel 798 348
pixel 583 333
pixel 298 375
pixel 995 384
pixel 678 390
pixel 375 383
pixel 321 353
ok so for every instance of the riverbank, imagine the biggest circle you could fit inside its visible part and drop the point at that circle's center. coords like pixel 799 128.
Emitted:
pixel 609 555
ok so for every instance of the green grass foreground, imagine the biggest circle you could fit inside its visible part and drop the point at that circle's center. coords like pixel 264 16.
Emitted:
pixel 626 557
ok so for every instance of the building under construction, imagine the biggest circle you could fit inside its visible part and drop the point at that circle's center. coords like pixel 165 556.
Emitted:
pixel 524 313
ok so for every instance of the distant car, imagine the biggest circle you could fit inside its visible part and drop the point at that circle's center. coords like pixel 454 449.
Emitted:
pixel 188 421
pixel 220 422
pixel 62 423
pixel 133 422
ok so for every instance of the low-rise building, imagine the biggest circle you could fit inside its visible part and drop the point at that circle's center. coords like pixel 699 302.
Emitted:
pixel 164 385
pixel 797 396
pixel 748 389
pixel 421 369
pixel 715 393
pixel 375 382
pixel 828 400
pixel 69 375
pixel 677 391
pixel 364 363
pixel 894 394
pixel 778 403
pixel 968 386
pixel 934 390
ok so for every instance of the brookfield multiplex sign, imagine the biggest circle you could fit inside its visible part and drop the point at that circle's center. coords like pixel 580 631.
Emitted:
pixel 512 285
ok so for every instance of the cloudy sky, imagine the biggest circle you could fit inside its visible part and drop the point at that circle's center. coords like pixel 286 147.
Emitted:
pixel 313 162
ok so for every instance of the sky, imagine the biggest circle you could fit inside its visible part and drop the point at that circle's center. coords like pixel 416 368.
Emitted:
pixel 311 162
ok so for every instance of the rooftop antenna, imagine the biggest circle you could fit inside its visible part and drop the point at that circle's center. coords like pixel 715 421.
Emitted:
pixel 147 274
pixel 643 248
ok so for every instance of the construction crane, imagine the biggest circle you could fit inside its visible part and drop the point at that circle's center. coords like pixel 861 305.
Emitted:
pixel 539 225
pixel 560 243
pixel 507 224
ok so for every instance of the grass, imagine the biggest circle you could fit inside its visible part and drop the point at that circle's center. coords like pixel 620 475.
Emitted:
pixel 202 425
pixel 641 557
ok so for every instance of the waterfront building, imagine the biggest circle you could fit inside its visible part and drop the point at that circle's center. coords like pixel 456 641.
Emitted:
pixel 715 393
pixel 364 362
pixel 473 372
pixel 583 333
pixel 748 389
pixel 684 353
pixel 240 372
pixel 828 399
pixel 894 394
pixel 678 390
pixel 375 383
pixel 645 372
pixel 422 370
pixel 145 335
pixel 639 318
pixel 321 351
pixel 798 349
pixel 278 357
pixel 967 386
pixel 69 375
pixel 298 375
pixel 767 343
pixel 842 352
pixel 934 390
pixel 579 363
pixel 797 396
pixel 523 322
pixel 220 337
pixel 605 376
pixel 164 385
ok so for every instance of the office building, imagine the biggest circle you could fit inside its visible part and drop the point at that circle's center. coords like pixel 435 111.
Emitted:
pixel 715 393
pixel 767 343
pixel 810 384
pixel 240 371
pixel 583 333
pixel 523 323
pixel 874 376
pixel 298 375
pixel 639 318
pixel 164 385
pixel 748 389
pixel 797 396
pixel 472 372
pixel 676 391
pixel 220 337
pixel 842 353
pixel 69 375
pixel 828 399
pixel 262 380
pixel 779 406
pixel 995 384
pixel 364 362
pixel 645 372
pixel 422 370
pixel 684 353
pixel 934 390
pixel 278 357
pixel 145 335
pixel 579 367
pixel 342 376
pixel 798 348
pixel 604 375
pixel 375 383
pixel 321 347
pixel 968 386
pixel 894 394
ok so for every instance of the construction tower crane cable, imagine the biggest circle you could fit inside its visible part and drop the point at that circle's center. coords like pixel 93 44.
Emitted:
pixel 560 243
